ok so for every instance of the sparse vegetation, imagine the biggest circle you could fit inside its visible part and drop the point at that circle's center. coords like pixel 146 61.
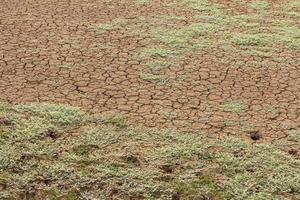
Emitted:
pixel 58 114
pixel 157 66
pixel 102 28
pixel 66 66
pixel 271 109
pixel 169 115
pixel 213 27
pixel 259 5
pixel 232 106
pixel 143 2
pixel 202 6
pixel 105 27
pixel 249 40
pixel 87 156
pixel 153 78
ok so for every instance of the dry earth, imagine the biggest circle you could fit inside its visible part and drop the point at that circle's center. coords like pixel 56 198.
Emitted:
pixel 108 57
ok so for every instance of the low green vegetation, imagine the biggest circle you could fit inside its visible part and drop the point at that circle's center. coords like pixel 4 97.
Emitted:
pixel 156 67
pixel 58 114
pixel 232 106
pixel 106 27
pixel 66 66
pixel 248 40
pixel 259 5
pixel 293 5
pixel 52 151
pixel 201 6
pixel 153 78
pixel 102 28
pixel 271 109
pixel 143 2
pixel 169 115
pixel 213 25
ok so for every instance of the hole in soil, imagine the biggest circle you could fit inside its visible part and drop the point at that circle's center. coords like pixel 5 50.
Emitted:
pixel 250 170
pixel 5 121
pixel 165 178
pixel 84 149
pixel 29 194
pixel 132 159
pixel 52 134
pixel 293 152
pixel 239 153
pixel 167 168
pixel 255 136
pixel 26 157
pixel 175 196
pixel 203 197
pixel 46 181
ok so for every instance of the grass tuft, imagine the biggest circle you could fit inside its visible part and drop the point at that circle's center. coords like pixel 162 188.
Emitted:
pixel 157 52
pixel 58 113
pixel 249 40
pixel 102 28
pixel 235 107
pixel 153 78
pixel 143 2
pixel 259 5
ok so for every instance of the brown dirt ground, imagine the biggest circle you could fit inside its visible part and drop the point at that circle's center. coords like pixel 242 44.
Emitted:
pixel 49 53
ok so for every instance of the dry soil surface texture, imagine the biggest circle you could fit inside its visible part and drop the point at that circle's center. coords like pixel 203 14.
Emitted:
pixel 96 54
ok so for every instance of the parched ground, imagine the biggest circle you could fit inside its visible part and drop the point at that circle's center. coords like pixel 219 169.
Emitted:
pixel 212 68
pixel 222 67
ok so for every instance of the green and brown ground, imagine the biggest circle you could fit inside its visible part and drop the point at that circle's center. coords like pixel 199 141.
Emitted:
pixel 52 151
pixel 177 99
pixel 221 67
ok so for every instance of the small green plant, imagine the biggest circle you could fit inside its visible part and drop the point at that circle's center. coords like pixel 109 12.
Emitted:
pixel 143 2
pixel 157 52
pixel 8 156
pixel 249 40
pixel 116 120
pixel 231 106
pixel 184 37
pixel 271 109
pixel 114 24
pixel 61 114
pixel 152 77
pixel 286 33
pixel 169 115
pixel 292 5
pixel 157 66
pixel 259 5
pixel 202 6
pixel 103 28
pixel 295 134
pixel 66 66
pixel 261 52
